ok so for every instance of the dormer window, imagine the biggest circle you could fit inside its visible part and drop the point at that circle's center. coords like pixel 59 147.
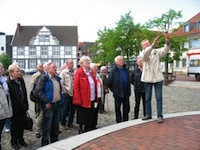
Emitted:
pixel 186 28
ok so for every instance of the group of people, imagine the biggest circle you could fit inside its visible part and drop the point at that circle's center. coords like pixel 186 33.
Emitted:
pixel 83 92
pixel 62 94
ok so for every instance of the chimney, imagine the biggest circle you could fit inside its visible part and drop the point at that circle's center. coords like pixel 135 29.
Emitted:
pixel 19 28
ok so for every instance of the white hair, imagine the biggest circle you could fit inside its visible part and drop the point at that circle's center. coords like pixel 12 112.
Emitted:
pixel 102 68
pixel 116 58
pixel 92 65
pixel 83 58
pixel 12 67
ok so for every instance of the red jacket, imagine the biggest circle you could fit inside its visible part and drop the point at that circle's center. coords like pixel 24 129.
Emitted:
pixel 81 95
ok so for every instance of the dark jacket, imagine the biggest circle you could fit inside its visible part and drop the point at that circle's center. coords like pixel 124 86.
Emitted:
pixel 18 95
pixel 115 82
pixel 104 80
pixel 44 88
pixel 136 80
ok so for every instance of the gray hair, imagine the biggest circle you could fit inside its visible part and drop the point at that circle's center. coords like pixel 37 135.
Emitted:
pixel 83 58
pixel 102 68
pixel 46 66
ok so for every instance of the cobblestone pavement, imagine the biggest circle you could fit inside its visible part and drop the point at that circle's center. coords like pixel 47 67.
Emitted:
pixel 175 99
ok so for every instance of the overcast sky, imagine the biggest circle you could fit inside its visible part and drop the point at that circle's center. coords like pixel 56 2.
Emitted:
pixel 89 15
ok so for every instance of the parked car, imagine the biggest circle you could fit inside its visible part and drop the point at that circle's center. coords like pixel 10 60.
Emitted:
pixel 22 72
pixel 33 71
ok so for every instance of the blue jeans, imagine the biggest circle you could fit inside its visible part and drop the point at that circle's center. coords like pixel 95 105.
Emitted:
pixel 50 127
pixel 148 96
pixel 7 124
pixel 68 109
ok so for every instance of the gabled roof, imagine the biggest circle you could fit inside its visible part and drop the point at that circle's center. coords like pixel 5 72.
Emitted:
pixel 67 35
pixel 194 30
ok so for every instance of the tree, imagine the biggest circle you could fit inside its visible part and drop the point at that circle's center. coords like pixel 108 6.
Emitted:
pixel 5 60
pixel 122 40
pixel 167 24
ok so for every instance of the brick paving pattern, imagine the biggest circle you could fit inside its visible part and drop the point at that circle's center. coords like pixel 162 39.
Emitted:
pixel 178 133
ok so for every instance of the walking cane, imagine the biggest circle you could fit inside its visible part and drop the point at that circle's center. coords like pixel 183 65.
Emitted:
pixel 107 103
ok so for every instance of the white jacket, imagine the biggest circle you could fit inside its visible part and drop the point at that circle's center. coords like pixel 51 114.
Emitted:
pixel 152 72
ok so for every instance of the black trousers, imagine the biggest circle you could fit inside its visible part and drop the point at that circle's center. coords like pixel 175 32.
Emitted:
pixel 87 118
pixel 138 97
pixel 2 123
pixel 121 117
pixel 17 127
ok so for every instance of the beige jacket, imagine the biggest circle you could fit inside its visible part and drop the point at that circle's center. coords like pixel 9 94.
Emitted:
pixel 152 72
pixel 67 81
pixel 33 78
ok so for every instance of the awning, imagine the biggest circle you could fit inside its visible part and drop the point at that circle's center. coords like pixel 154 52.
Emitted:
pixel 193 53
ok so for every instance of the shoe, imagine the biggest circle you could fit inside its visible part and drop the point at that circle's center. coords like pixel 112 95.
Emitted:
pixel 160 120
pixel 72 126
pixel 15 146
pixel 146 118
pixel 7 130
pixel 64 128
pixel 23 143
pixel 38 135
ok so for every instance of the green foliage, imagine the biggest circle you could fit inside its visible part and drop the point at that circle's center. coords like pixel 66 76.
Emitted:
pixel 5 60
pixel 125 38
pixel 122 40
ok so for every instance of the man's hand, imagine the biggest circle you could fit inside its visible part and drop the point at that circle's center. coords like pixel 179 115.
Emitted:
pixel 155 41
pixel 167 38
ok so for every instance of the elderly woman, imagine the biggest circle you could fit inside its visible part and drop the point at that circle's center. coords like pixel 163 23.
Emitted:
pixel 94 68
pixel 85 95
pixel 18 94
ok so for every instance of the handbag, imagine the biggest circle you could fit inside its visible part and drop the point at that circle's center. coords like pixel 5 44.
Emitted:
pixel 28 122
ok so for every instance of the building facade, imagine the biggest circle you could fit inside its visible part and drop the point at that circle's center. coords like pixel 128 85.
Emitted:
pixel 2 43
pixel 38 44
pixel 191 29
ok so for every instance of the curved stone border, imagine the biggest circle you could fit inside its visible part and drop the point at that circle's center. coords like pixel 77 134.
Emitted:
pixel 75 141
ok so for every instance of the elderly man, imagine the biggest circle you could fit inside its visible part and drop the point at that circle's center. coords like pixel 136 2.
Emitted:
pixel 48 90
pixel 119 84
pixel 152 74
pixel 38 109
pixel 68 109
pixel 103 76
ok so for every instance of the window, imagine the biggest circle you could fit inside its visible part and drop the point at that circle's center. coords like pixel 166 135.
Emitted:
pixel 21 63
pixel 177 63
pixel 44 50
pixel 2 48
pixel 20 51
pixel 195 43
pixel 56 50
pixel 68 50
pixel 32 64
pixel 194 63
pixel 44 38
pixel 185 45
pixel 183 62
pixel 44 60
pixel 32 51
pixel 198 24
pixel 186 28
pixel 57 62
